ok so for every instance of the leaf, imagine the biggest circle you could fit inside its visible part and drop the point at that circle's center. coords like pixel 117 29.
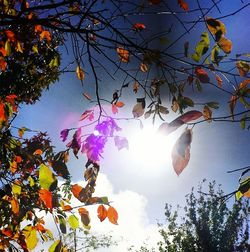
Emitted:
pixel 64 134
pixel 38 152
pixel 232 104
pixel 225 45
pixel 102 212
pixel 80 73
pixel 136 87
pixel 121 142
pixel 16 188
pixel 202 75
pixel 181 151
pixel 60 168
pixel 46 178
pixel 202 47
pixel 167 128
pixel 139 27
pixel 14 206
pixel 3 64
pixel 87 114
pixel 144 67
pixel 10 35
pixel 119 104
pixel 112 215
pixel 123 54
pixel 243 189
pixel 46 197
pixel 85 219
pixel 56 246
pixel 183 5
pixel 216 27
pixel 73 221
pixel 138 109
pixel 30 237
pixel 114 109
pixel 87 96
pixel 62 224
pixel 215 58
pixel 219 80
pixel 214 105
pixel 207 113
pixel 7 48
pixel 45 35
pixel 21 131
pixel 79 192
pixel 243 67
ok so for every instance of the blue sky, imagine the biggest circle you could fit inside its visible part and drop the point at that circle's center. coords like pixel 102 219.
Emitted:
pixel 216 147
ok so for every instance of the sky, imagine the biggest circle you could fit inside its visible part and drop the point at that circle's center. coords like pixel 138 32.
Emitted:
pixel 141 180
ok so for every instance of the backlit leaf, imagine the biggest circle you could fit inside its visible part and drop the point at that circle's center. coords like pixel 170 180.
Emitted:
pixel 207 113
pixel 112 215
pixel 80 73
pixel 202 75
pixel 119 104
pixel 216 27
pixel 181 151
pixel 232 104
pixel 202 47
pixel 183 5
pixel 45 35
pixel 102 212
pixel 30 236
pixel 123 54
pixel 139 26
pixel 56 246
pixel 79 192
pixel 144 67
pixel 85 219
pixel 14 206
pixel 87 96
pixel 219 80
pixel 46 197
pixel 46 177
pixel 243 67
pixel 225 45
pixel 16 188
pixel 73 221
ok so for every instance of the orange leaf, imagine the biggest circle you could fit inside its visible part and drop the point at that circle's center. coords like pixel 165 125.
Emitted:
pixel 3 51
pixel 181 151
pixel 84 216
pixel 183 5
pixel 123 54
pixel 102 212
pixel 79 192
pixel 18 159
pixel 45 35
pixel 219 80
pixel 38 28
pixel 38 152
pixel 14 206
pixel 232 104
pixel 225 45
pixel 112 215
pixel 66 208
pixel 13 167
pixel 7 232
pixel 87 96
pixel 46 197
pixel 119 104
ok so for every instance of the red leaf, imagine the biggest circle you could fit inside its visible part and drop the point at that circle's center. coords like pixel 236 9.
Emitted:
pixel 219 80
pixel 88 114
pixel 102 212
pixel 114 109
pixel 181 151
pixel 123 54
pixel 183 5
pixel 112 215
pixel 46 197
pixel 202 75
pixel 139 26
pixel 167 128
pixel 10 35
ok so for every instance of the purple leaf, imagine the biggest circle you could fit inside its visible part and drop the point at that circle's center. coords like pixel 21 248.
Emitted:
pixel 64 134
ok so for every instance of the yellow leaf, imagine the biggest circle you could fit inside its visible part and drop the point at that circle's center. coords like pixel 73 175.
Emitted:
pixel 207 113
pixel 35 49
pixel 16 189
pixel 46 177
pixel 19 47
pixel 123 54
pixel 238 195
pixel 31 181
pixel 215 26
pixel 56 246
pixel 80 73
pixel 201 47
pixel 73 221
pixel 7 48
pixel 30 237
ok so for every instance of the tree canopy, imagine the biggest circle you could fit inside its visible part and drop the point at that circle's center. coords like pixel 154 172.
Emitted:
pixel 169 71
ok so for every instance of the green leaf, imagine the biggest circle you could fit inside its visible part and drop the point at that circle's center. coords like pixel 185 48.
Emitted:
pixel 214 105
pixel 73 222
pixel 202 47
pixel 56 246
pixel 46 177
pixel 243 122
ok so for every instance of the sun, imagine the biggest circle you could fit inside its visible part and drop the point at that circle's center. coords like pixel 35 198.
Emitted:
pixel 150 150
